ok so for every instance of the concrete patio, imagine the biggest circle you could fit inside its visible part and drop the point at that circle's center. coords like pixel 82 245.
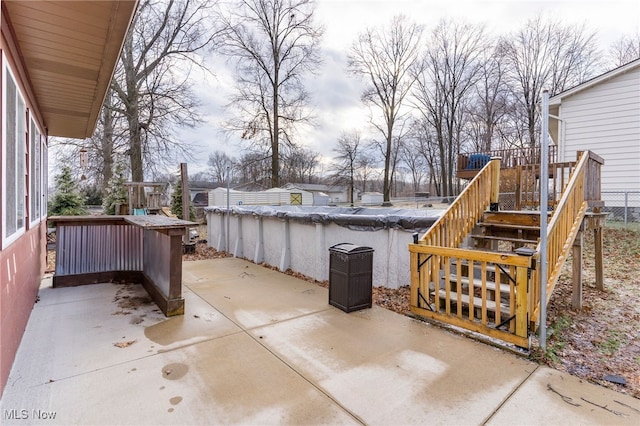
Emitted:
pixel 259 347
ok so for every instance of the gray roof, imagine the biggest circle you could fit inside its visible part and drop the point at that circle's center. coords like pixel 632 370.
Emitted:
pixel 316 187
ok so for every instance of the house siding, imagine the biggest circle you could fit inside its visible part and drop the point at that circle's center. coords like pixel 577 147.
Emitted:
pixel 22 258
pixel 22 268
pixel 605 118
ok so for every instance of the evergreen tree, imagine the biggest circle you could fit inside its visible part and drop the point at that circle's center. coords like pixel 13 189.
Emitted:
pixel 67 200
pixel 176 202
pixel 116 192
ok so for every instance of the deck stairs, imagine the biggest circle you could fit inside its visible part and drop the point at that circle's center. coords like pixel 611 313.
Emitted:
pixel 477 267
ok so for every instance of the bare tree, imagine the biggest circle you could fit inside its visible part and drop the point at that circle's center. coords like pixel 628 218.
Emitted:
pixel 386 58
pixel 254 168
pixel 299 165
pixel 103 149
pixel 152 80
pixel 414 162
pixel 427 146
pixel 547 54
pixel 218 164
pixel 453 62
pixel 366 168
pixel 274 44
pixel 348 151
pixel 490 103
pixel 625 49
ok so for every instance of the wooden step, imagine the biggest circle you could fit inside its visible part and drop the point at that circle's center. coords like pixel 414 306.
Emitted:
pixel 513 217
pixel 508 239
pixel 505 289
pixel 477 302
pixel 491 273
pixel 509 226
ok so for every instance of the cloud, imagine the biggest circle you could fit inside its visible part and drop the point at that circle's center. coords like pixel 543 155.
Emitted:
pixel 336 94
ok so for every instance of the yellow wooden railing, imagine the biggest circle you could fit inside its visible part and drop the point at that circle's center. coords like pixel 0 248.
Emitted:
pixel 564 226
pixel 463 214
pixel 480 291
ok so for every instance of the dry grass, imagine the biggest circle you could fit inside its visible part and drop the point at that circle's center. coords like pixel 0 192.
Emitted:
pixel 602 339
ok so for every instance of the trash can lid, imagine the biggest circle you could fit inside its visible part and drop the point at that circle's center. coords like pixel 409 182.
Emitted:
pixel 350 248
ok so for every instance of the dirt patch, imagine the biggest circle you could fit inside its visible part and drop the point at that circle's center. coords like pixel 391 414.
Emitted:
pixel 600 342
pixel 127 300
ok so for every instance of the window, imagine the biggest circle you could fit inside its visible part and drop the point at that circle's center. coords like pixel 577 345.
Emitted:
pixel 45 178
pixel 35 179
pixel 14 159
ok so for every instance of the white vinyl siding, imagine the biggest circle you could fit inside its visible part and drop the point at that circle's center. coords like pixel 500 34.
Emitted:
pixel 13 155
pixel 605 119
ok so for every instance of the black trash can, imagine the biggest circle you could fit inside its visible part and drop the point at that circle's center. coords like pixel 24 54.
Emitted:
pixel 350 272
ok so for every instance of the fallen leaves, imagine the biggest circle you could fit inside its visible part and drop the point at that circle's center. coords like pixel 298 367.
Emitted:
pixel 124 344
pixel 203 252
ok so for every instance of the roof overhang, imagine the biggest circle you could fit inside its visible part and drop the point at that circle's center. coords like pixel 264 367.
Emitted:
pixel 69 50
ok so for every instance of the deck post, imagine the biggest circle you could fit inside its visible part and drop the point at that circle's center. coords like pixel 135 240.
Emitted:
pixel 576 292
pixel 522 302
pixel 597 241
pixel 415 278
pixel 495 184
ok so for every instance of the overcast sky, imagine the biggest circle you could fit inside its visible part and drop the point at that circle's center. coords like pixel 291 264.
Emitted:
pixel 336 95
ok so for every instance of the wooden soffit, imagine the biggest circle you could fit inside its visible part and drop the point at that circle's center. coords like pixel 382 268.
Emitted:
pixel 70 50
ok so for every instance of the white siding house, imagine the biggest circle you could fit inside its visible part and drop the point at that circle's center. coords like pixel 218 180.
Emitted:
pixel 603 115
pixel 271 197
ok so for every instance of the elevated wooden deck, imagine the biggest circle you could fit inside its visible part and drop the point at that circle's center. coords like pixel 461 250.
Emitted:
pixel 470 164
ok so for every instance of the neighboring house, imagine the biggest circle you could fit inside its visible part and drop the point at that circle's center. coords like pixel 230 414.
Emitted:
pixel 337 194
pixel 57 60
pixel 603 115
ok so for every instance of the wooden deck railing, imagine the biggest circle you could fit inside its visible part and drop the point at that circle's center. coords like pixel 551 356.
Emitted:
pixel 462 215
pixel 470 163
pixel 565 224
pixel 481 291
pixel 527 191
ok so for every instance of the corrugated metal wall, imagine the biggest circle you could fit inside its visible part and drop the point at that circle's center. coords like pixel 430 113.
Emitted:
pixel 157 259
pixel 83 249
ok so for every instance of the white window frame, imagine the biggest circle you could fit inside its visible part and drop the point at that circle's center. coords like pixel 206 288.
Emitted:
pixel 7 239
pixel 44 185
pixel 35 179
